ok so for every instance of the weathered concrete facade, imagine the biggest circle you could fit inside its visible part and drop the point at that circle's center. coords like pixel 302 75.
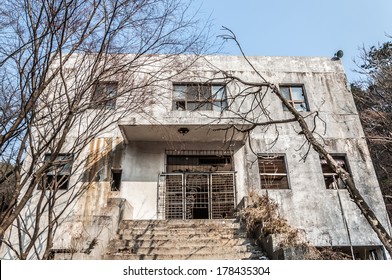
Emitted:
pixel 139 147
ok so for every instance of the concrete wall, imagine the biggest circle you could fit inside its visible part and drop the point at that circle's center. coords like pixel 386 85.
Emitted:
pixel 307 205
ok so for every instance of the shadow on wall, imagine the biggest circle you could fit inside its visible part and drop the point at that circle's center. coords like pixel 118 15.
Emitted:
pixel 103 160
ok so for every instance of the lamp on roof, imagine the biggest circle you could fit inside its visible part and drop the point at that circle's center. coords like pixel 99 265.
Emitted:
pixel 338 55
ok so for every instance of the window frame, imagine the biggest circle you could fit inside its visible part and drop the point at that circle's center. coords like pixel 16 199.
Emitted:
pixel 62 172
pixel 340 184
pixel 215 101
pixel 285 174
pixel 293 101
pixel 101 97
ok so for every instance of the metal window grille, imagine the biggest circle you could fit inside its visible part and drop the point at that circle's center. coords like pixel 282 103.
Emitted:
pixel 196 195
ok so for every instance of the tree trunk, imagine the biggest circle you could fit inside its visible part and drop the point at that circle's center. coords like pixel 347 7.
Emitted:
pixel 368 213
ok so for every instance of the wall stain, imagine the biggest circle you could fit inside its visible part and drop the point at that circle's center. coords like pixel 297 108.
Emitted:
pixel 97 177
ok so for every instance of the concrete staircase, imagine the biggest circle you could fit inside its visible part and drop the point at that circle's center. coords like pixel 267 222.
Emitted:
pixel 180 240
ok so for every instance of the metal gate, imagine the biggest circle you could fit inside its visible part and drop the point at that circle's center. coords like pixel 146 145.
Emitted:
pixel 196 195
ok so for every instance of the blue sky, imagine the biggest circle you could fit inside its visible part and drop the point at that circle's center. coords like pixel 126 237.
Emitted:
pixel 301 27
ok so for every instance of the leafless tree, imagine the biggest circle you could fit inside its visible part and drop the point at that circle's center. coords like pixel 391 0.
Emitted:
pixel 373 97
pixel 69 70
pixel 249 110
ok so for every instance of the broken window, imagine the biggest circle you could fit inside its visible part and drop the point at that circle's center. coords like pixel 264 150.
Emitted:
pixel 331 178
pixel 198 163
pixel 273 172
pixel 104 95
pixel 295 96
pixel 115 182
pixel 199 97
pixel 58 173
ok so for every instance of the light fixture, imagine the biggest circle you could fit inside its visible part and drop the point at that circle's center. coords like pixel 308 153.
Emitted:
pixel 338 55
pixel 183 130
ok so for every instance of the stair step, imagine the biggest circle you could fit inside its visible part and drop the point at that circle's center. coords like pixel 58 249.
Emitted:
pixel 162 235
pixel 181 221
pixel 188 250
pixel 177 231
pixel 195 256
pixel 167 242
pixel 143 224
pixel 179 240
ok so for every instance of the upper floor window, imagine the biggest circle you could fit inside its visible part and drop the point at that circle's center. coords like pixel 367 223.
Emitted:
pixel 199 97
pixel 331 178
pixel 58 173
pixel 273 172
pixel 104 95
pixel 295 95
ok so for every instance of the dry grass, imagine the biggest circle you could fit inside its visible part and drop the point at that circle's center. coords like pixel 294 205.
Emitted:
pixel 326 253
pixel 262 219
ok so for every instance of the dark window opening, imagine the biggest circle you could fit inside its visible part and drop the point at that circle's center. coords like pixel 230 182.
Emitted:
pixel 60 182
pixel 58 174
pixel 273 173
pixel 104 95
pixel 331 178
pixel 4 203
pixel 215 160
pixel 295 96
pixel 198 163
pixel 199 97
pixel 115 182
pixel 7 185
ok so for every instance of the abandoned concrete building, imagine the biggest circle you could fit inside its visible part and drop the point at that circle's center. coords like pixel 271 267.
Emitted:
pixel 182 169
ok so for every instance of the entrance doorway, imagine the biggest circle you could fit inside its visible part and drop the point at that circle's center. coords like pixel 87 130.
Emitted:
pixel 197 186
pixel 197 196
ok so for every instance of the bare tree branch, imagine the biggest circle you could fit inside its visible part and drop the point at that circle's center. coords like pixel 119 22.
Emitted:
pixel 258 110
pixel 75 68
